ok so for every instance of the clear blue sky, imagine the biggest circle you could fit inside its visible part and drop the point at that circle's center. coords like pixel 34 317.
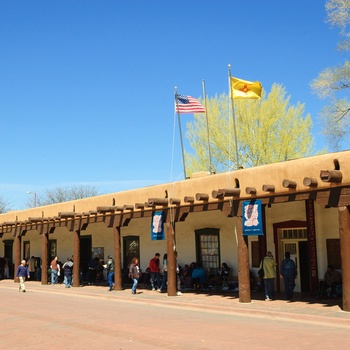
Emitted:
pixel 87 87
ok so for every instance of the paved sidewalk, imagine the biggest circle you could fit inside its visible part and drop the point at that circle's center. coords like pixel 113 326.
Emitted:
pixel 302 309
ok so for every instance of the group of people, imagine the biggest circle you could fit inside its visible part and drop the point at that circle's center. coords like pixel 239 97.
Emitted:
pixel 288 273
pixel 194 274
pixel 158 275
pixel 57 269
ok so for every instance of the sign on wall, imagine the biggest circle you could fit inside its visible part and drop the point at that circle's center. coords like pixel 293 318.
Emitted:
pixel 157 226
pixel 252 218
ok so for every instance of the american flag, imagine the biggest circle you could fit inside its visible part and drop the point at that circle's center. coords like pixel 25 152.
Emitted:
pixel 187 104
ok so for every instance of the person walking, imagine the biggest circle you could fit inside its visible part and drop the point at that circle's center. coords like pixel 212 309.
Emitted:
pixel 110 272
pixel 269 264
pixel 134 273
pixel 22 273
pixel 55 269
pixel 165 274
pixel 155 271
pixel 68 272
pixel 289 274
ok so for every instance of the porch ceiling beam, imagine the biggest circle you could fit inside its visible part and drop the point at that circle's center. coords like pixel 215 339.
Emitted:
pixel 250 190
pixel 331 176
pixel 66 215
pixel 175 201
pixel 289 184
pixel 152 202
pixel 202 196
pixel 334 196
pixel 310 181
pixel 226 192
pixel 104 209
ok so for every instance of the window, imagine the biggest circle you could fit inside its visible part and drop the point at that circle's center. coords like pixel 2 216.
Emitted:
pixel 208 250
pixel 295 233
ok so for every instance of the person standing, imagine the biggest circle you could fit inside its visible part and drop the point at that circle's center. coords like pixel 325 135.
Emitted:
pixel 155 271
pixel 134 273
pixel 165 274
pixel 68 272
pixel 22 273
pixel 178 279
pixel 31 267
pixel 93 265
pixel 289 274
pixel 110 272
pixel 54 270
pixel 38 269
pixel 269 265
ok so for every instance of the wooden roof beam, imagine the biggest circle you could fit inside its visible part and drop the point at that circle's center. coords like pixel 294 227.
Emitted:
pixel 188 199
pixel 66 215
pixel 250 190
pixel 152 202
pixel 202 196
pixel 268 188
pixel 310 182
pixel 289 184
pixel 103 209
pixel 226 192
pixel 331 176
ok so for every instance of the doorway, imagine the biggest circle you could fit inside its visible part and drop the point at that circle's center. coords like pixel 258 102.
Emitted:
pixel 299 253
pixel 85 256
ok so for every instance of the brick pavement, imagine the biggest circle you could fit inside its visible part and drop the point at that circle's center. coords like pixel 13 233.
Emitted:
pixel 302 309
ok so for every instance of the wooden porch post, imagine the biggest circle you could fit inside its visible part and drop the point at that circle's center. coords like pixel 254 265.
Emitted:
pixel 44 257
pixel 171 260
pixel 243 264
pixel 17 245
pixel 76 260
pixel 344 232
pixel 117 260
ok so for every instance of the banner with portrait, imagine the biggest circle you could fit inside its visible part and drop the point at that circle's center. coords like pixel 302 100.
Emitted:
pixel 157 226
pixel 252 218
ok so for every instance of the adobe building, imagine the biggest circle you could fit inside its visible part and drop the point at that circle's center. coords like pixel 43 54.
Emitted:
pixel 304 210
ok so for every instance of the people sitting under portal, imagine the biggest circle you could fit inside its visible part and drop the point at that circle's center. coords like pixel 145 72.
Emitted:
pixel 198 277
pixel 225 270
pixel 332 280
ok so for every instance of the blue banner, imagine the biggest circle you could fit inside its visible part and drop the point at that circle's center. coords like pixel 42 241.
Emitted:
pixel 157 226
pixel 252 218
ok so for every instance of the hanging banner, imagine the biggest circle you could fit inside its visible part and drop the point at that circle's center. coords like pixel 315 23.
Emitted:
pixel 157 226
pixel 252 218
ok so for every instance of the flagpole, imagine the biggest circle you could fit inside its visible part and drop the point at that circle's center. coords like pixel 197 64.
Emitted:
pixel 206 116
pixel 233 116
pixel 182 146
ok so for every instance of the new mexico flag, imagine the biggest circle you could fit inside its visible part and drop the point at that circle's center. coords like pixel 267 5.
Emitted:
pixel 245 89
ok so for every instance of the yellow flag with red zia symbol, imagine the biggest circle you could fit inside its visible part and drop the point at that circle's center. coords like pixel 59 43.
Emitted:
pixel 245 89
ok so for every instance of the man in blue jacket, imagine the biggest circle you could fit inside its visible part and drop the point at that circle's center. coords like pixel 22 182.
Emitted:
pixel 289 274
pixel 22 273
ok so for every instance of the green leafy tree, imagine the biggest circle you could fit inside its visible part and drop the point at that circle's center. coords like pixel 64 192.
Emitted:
pixel 64 194
pixel 333 83
pixel 268 130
